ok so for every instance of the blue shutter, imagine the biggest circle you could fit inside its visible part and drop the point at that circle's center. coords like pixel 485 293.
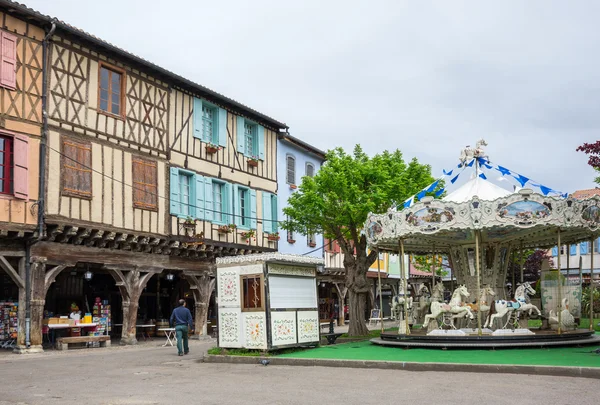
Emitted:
pixel 221 131
pixel 236 206
pixel 252 209
pixel 174 184
pixel 228 203
pixel 275 215
pixel 260 133
pixel 267 213
pixel 573 250
pixel 240 135
pixel 555 251
pixel 198 182
pixel 197 118
pixel 583 248
pixel 209 209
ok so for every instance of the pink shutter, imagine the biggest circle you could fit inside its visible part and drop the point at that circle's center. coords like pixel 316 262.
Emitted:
pixel 21 165
pixel 8 61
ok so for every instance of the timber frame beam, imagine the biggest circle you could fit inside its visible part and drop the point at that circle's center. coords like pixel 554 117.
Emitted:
pixel 12 273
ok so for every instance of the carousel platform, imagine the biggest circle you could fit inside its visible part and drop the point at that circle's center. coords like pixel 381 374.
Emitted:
pixel 469 339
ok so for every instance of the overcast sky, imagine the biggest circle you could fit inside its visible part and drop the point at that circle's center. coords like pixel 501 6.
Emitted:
pixel 425 77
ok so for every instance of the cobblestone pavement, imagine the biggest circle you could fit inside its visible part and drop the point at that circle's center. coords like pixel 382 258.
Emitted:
pixel 151 374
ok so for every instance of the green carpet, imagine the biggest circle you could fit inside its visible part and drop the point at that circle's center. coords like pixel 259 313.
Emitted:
pixel 567 356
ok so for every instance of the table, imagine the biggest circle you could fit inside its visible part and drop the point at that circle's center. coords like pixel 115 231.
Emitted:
pixel 52 326
pixel 141 327
pixel 170 334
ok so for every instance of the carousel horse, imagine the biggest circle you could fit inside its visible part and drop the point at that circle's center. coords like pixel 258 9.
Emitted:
pixel 502 307
pixel 398 302
pixel 455 306
pixel 424 299
pixel 483 305
pixel 437 294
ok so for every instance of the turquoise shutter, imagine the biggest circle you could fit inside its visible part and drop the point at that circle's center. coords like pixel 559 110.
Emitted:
pixel 252 209
pixel 555 251
pixel 583 248
pixel 228 203
pixel 174 184
pixel 221 130
pixel 240 135
pixel 209 209
pixel 260 132
pixel 199 193
pixel 573 250
pixel 236 206
pixel 275 214
pixel 267 213
pixel 197 118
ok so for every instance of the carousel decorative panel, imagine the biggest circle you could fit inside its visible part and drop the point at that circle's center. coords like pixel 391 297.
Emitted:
pixel 229 327
pixel 229 287
pixel 255 331
pixel 283 328
pixel 308 326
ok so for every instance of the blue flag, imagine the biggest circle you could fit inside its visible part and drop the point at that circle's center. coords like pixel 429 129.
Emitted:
pixel 545 190
pixel 439 193
pixel 432 186
pixel 521 179
pixel 408 202
pixel 421 195
pixel 448 173
pixel 503 170
pixel 471 163
pixel 484 163
pixel 482 175
pixel 454 179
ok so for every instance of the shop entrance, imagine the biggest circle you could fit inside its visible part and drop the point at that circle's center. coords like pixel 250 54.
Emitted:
pixel 9 306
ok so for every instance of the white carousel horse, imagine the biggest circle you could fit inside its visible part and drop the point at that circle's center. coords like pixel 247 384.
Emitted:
pixel 483 305
pixel 455 306
pixel 502 307
pixel 398 301
pixel 437 294
pixel 424 299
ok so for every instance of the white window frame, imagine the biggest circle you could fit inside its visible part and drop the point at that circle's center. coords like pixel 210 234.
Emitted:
pixel 287 169
pixel 309 164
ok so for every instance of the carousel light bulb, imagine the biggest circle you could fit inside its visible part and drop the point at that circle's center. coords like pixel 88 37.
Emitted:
pixel 170 276
pixel 88 275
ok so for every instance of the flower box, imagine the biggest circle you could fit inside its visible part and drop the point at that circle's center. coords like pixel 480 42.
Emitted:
pixel 312 244
pixel 293 186
pixel 252 162
pixel 273 237
pixel 291 241
pixel 210 149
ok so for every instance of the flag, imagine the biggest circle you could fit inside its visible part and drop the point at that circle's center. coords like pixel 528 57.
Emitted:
pixel 482 175
pixel 408 202
pixel 521 179
pixel 432 186
pixel 421 195
pixel 545 190
pixel 439 192
pixel 503 170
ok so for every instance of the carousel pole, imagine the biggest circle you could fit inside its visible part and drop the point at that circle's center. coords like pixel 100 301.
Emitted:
pixel 477 260
pixel 380 294
pixel 405 282
pixel 521 261
pixel 559 281
pixel 433 268
pixel 512 286
pixel 592 287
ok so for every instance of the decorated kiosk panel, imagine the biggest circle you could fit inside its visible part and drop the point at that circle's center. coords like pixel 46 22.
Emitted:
pixel 267 301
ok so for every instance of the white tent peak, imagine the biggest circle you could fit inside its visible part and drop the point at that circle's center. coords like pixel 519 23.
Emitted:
pixel 479 187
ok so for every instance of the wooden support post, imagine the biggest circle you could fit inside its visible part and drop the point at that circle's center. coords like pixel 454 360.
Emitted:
pixel 341 290
pixel 202 286
pixel 21 344
pixel 131 282
pixel 38 300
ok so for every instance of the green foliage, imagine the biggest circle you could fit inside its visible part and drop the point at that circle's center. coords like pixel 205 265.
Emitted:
pixel 215 350
pixel 424 263
pixel 337 200
pixel 251 352
pixel 585 300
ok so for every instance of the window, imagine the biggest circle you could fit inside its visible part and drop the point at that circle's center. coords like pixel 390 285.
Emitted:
pixel 208 123
pixel 219 206
pixel 145 194
pixel 250 139
pixel 252 292
pixel 290 234
pixel 185 194
pixel 6 164
pixel 310 170
pixel 77 172
pixel 111 89
pixel 8 60
pixel 290 164
pixel 311 240
pixel 274 214
pixel 244 204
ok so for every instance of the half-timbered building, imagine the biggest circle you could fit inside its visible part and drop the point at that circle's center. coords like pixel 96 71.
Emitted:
pixel 148 177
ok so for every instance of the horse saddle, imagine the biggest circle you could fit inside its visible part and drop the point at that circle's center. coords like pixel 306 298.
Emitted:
pixel 513 304
pixel 446 307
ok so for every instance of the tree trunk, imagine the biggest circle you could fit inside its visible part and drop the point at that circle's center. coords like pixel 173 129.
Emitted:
pixel 202 286
pixel 201 315
pixel 357 308
pixel 130 311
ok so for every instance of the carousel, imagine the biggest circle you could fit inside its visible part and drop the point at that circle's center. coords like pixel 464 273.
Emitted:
pixel 478 227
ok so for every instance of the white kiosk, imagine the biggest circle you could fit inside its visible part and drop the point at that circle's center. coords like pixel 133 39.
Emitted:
pixel 267 301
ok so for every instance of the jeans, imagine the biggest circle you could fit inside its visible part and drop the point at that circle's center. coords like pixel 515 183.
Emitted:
pixel 181 331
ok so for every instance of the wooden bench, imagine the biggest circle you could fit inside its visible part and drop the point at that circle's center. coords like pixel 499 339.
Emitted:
pixel 62 343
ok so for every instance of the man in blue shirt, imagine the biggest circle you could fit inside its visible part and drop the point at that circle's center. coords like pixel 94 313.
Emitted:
pixel 181 318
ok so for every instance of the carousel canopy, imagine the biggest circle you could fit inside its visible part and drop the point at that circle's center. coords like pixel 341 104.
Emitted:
pixel 476 187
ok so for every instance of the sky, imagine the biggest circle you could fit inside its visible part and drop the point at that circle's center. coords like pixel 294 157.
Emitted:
pixel 425 77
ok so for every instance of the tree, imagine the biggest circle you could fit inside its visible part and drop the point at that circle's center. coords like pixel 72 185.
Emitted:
pixel 593 150
pixel 532 265
pixel 336 202
pixel 424 263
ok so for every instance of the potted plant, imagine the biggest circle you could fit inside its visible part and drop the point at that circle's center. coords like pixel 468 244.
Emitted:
pixel 189 226
pixel 226 228
pixel 247 235
pixel 253 161
pixel 290 240
pixel 273 236
pixel 312 244
pixel 211 148
pixel 293 186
